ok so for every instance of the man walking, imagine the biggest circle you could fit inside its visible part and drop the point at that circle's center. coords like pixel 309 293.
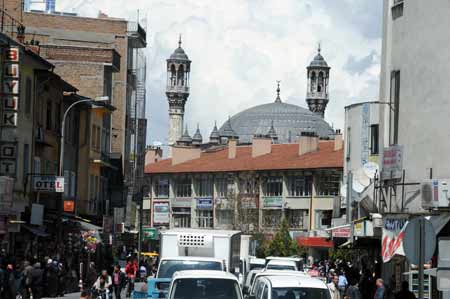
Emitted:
pixel 118 281
pixel 333 286
pixel 379 294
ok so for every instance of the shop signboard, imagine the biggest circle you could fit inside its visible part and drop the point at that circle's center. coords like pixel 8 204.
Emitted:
pixel 341 232
pixel 69 206
pixel 249 201
pixel 150 233
pixel 392 162
pixel 272 202
pixel 161 213
pixel 224 204
pixel 48 183
pixel 204 203
pixel 363 229
pixel 393 235
pixel 181 202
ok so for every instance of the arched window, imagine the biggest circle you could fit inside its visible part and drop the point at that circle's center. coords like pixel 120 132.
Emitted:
pixel 173 75
pixel 320 84
pixel 313 81
pixel 180 77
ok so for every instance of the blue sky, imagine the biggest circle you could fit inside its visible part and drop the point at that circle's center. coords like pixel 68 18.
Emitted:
pixel 239 48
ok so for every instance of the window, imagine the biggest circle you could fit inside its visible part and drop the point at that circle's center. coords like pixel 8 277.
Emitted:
pixel 37 165
pixel 394 107
pixel 300 185
pixel 183 187
pixel 28 95
pixel 374 131
pixel 66 183
pixel 328 184
pixel 26 159
pixel 313 81
pixel 181 217
pixel 397 9
pixel 162 188
pixel 205 218
pixel 249 186
pixel 225 187
pixel 349 143
pixel 323 219
pixel 265 294
pixel 73 183
pixel 272 218
pixel 274 186
pixel 297 218
pixel 48 121
pixel 204 187
pixel 225 217
pixel 94 137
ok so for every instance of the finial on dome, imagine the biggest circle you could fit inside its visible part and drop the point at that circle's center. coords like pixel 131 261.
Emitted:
pixel 278 99
pixel 179 42
pixel 319 48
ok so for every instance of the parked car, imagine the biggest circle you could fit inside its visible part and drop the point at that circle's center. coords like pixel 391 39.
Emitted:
pixel 290 287
pixel 249 280
pixel 281 265
pixel 204 285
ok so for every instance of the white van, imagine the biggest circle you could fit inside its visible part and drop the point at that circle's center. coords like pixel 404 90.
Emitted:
pixel 198 284
pixel 257 280
pixel 281 265
pixel 291 287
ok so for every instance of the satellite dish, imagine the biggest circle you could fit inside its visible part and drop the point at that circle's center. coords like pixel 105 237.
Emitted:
pixel 357 186
pixel 370 168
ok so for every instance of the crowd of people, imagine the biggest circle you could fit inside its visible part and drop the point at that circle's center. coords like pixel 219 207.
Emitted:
pixel 348 282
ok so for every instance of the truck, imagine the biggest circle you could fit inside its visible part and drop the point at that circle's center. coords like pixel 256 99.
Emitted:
pixel 194 249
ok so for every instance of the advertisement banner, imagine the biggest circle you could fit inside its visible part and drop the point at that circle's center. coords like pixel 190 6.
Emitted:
pixel 341 232
pixel 48 183
pixel 272 202
pixel 181 202
pixel 161 213
pixel 393 234
pixel 204 203
pixel 392 162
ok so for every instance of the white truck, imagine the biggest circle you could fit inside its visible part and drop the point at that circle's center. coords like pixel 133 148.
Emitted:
pixel 218 244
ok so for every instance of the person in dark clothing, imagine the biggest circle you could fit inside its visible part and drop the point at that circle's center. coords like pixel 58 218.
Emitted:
pixel 118 280
pixel 2 280
pixel 91 275
pixel 405 293
pixel 353 290
pixel 52 278
pixel 36 279
pixel 366 284
pixel 10 290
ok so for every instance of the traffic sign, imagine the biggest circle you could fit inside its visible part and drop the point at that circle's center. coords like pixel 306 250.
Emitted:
pixel 411 241
pixel 150 233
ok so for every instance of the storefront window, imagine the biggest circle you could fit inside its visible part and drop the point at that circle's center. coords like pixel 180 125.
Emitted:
pixel 328 184
pixel 300 185
pixel 205 218
pixel 297 218
pixel 273 186
pixel 272 218
pixel 162 188
pixel 184 187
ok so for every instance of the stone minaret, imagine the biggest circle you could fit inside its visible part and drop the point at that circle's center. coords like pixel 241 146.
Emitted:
pixel 317 92
pixel 177 91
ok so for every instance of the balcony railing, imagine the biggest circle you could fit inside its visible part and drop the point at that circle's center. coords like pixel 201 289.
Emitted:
pixel 177 88
pixel 11 27
pixel 317 94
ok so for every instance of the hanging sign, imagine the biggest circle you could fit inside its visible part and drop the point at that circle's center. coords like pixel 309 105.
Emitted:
pixel 393 235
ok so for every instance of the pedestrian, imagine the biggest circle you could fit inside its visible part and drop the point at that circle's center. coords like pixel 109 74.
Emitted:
pixel 130 270
pixel 342 283
pixel 379 294
pixel 10 290
pixel 91 275
pixel 2 280
pixel 353 290
pixel 333 286
pixel 52 278
pixel 36 281
pixel 405 293
pixel 366 284
pixel 119 281
pixel 26 274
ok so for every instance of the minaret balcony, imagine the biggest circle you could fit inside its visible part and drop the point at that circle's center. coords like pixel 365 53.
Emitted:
pixel 177 89
pixel 317 95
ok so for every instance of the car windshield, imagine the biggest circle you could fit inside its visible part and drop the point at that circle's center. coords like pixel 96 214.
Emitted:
pixel 169 267
pixel 300 293
pixel 205 288
pixel 280 267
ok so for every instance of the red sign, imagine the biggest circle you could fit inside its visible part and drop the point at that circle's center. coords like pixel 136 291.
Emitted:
pixel 342 232
pixel 69 206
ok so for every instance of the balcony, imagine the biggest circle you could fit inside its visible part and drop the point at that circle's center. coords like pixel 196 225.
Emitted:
pixel 137 35
pixel 317 95
pixel 178 89
pixel 302 202
pixel 11 27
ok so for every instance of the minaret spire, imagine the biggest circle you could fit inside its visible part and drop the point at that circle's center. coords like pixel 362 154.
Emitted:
pixel 278 99
pixel 179 41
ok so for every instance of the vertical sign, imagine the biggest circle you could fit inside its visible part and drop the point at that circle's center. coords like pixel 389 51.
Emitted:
pixel 365 126
pixel 161 213
pixel 9 100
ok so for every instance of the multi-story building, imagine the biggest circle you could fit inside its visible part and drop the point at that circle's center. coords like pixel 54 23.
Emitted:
pixel 102 57
pixel 248 187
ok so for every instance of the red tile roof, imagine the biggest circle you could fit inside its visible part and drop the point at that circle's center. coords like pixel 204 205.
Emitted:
pixel 319 242
pixel 283 156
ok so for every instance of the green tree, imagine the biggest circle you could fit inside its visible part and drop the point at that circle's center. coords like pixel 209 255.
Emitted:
pixel 282 244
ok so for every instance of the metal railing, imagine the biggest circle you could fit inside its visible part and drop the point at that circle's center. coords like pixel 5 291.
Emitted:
pixel 11 27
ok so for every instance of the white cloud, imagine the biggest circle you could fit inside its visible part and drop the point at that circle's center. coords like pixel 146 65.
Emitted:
pixel 239 48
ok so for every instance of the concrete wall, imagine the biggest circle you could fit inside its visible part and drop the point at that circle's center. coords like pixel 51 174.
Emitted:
pixel 416 44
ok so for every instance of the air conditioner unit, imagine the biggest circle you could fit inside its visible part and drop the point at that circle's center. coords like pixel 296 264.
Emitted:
pixel 435 194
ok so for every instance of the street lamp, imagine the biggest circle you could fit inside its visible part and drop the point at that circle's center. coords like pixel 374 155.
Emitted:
pixel 61 154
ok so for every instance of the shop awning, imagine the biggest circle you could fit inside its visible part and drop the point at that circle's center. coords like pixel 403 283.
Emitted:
pixel 439 221
pixel 36 231
pixel 316 242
